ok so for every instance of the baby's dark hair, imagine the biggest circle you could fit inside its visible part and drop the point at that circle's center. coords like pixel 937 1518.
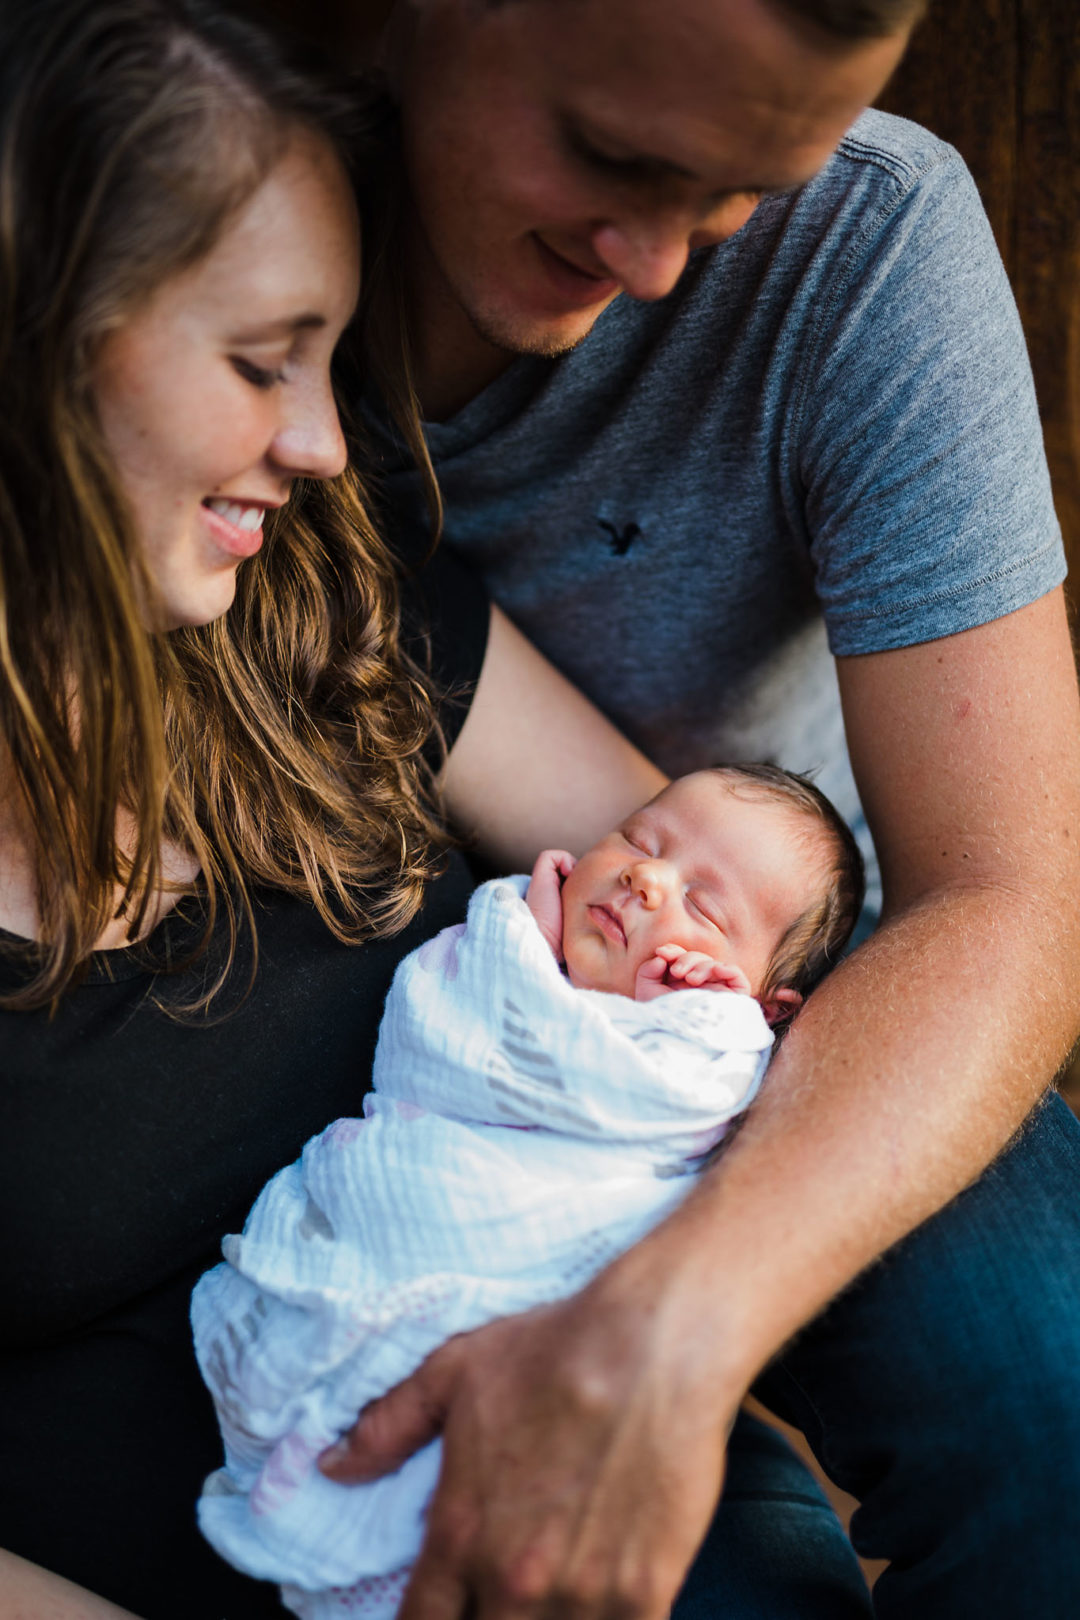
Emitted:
pixel 815 940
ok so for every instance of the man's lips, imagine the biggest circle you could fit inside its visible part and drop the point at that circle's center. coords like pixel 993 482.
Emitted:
pixel 608 923
pixel 575 286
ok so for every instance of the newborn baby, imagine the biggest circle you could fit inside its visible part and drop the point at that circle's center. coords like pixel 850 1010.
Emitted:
pixel 547 1076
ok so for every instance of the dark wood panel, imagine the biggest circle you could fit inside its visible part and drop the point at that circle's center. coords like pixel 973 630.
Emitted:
pixel 1047 265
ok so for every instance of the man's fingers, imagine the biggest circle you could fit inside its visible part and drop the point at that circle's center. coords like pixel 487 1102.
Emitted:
pixel 435 1592
pixel 392 1428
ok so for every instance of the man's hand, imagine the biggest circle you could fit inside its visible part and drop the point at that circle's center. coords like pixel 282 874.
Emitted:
pixel 673 968
pixel 583 1456
pixel 544 897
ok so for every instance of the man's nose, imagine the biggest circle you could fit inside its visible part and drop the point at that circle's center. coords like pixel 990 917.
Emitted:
pixel 646 253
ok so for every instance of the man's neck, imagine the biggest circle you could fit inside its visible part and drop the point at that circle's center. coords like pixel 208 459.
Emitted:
pixel 452 362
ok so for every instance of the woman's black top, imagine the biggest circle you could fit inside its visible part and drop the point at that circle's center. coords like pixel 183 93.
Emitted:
pixel 129 1145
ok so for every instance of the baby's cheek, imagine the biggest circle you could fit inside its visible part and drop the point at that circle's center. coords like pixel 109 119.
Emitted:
pixel 574 965
pixel 588 968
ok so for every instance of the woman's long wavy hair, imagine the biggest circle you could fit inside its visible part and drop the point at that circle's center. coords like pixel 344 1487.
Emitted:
pixel 283 744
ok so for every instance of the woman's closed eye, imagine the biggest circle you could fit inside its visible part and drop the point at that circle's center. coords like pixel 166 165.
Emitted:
pixel 264 377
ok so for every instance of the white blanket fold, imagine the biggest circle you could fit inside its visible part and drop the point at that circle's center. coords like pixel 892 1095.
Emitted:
pixel 521 1134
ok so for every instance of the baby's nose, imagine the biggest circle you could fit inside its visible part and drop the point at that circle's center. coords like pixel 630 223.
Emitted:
pixel 645 879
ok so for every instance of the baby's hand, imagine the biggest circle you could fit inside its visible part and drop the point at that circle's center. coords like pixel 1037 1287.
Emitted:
pixel 544 896
pixel 673 968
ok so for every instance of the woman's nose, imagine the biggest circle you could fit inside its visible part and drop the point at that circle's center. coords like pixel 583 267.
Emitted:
pixel 309 442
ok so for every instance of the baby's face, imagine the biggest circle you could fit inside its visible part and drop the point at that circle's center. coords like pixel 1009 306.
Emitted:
pixel 699 867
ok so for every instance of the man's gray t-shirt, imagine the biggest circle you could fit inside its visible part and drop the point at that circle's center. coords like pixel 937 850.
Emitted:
pixel 825 437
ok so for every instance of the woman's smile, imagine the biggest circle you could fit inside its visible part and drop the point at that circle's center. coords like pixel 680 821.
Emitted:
pixel 237 528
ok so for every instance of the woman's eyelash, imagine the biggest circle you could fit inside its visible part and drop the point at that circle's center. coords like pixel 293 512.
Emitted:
pixel 258 376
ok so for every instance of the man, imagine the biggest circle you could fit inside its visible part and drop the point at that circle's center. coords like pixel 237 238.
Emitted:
pixel 683 392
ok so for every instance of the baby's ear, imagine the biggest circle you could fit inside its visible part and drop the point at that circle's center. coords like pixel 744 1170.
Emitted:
pixel 780 1007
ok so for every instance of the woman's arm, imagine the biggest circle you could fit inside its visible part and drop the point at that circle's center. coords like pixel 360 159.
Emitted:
pixel 28 1592
pixel 535 764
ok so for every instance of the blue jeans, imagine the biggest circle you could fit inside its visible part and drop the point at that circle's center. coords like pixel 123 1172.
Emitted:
pixel 943 1390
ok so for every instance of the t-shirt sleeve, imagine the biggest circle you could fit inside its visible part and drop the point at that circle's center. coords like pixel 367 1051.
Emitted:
pixel 917 443
pixel 445 615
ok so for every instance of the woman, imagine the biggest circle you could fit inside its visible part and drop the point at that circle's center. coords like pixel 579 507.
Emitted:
pixel 217 825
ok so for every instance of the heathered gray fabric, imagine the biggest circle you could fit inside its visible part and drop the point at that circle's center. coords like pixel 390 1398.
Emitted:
pixel 825 436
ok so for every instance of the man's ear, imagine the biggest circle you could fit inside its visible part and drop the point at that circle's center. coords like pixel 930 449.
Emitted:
pixel 780 1007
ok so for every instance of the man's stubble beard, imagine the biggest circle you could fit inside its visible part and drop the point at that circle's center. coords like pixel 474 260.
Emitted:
pixel 540 345
pixel 502 333
pixel 499 332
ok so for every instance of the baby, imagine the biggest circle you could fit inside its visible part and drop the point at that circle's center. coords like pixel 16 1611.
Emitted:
pixel 547 1075
pixel 741 878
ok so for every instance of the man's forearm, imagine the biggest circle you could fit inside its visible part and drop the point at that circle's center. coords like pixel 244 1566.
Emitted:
pixel 908 1071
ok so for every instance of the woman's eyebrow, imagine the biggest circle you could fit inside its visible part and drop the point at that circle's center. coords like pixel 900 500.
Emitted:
pixel 283 326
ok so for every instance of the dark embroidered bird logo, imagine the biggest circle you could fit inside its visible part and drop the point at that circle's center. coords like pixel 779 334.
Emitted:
pixel 621 539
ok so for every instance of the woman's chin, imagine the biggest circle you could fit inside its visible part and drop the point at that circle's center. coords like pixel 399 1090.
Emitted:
pixel 188 609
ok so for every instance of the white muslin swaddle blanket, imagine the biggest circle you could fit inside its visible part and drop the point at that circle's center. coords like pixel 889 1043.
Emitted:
pixel 521 1134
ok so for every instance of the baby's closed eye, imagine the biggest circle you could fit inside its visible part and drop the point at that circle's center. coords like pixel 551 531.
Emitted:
pixel 706 908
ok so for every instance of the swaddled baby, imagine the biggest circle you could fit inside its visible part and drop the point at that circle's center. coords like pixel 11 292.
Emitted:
pixel 547 1075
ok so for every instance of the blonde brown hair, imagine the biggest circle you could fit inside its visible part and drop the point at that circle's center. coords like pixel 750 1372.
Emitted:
pixel 282 744
pixel 815 941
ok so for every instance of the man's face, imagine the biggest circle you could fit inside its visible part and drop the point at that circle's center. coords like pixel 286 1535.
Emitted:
pixel 563 151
